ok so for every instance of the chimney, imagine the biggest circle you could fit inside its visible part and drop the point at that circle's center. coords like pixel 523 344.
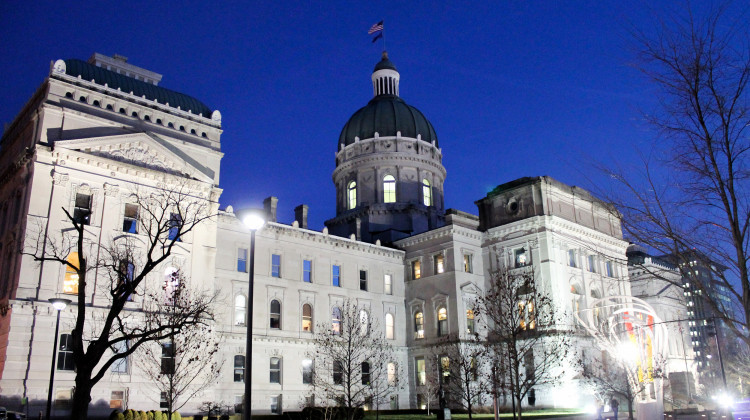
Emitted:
pixel 269 206
pixel 300 215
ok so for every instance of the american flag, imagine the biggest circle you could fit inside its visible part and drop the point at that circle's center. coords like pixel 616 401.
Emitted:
pixel 375 28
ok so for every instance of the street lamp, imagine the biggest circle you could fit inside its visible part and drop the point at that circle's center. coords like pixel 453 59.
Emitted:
pixel 254 221
pixel 59 304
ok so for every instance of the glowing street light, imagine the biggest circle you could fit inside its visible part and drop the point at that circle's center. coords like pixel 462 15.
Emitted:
pixel 59 304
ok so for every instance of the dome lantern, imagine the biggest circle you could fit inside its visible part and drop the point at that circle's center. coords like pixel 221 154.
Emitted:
pixel 385 77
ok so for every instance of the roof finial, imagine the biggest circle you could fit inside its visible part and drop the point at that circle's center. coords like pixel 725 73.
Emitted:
pixel 385 55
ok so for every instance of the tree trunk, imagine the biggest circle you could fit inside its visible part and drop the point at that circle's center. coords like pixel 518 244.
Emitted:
pixel 81 397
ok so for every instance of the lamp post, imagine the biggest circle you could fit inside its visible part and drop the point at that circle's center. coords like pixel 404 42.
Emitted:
pixel 59 304
pixel 252 221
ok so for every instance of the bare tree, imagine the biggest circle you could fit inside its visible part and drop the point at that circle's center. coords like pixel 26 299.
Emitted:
pixel 185 364
pixel 355 366
pixel 460 363
pixel 524 325
pixel 693 202
pixel 607 377
pixel 115 270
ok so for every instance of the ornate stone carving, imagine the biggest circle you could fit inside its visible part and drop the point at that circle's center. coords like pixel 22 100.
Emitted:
pixel 111 189
pixel 216 116
pixel 59 67
pixel 58 178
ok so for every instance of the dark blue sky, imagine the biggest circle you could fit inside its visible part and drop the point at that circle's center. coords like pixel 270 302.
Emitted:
pixel 513 88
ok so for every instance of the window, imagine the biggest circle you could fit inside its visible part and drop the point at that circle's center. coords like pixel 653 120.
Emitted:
pixel 442 316
pixel 467 264
pixel 389 327
pixel 239 368
pixel 242 260
pixel 416 269
pixel 426 192
pixel 609 269
pixel 469 321
pixel 389 189
pixel 418 325
pixel 365 373
pixel 336 275
pixel 307 271
pixel 240 311
pixel 70 281
pixel 420 371
pixel 65 353
pixel 388 284
pixel 445 365
pixel 163 400
pixel 351 195
pixel 364 322
pixel 175 227
pixel 82 210
pixel 391 370
pixel 363 280
pixel 167 358
pixel 116 400
pixel 121 365
pixel 171 284
pixel 572 258
pixel 130 219
pixel 307 371
pixel 526 314
pixel 276 265
pixel 521 259
pixel 63 398
pixel 125 275
pixel 336 320
pixel 592 263
pixel 275 315
pixel 307 324
pixel 575 290
pixel 528 363
pixel 275 370
pixel 438 265
pixel 338 372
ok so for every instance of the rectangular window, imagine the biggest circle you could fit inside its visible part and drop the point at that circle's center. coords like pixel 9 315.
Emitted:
pixel 336 275
pixel 121 365
pixel 592 263
pixel 65 353
pixel 438 264
pixel 307 271
pixel 275 370
pixel 420 371
pixel 163 400
pixel 63 398
pixel 416 269
pixel 307 371
pixel 130 219
pixel 276 265
pixel 126 274
pixel 572 257
pixel 117 400
pixel 242 260
pixel 445 364
pixel 175 227
pixel 394 402
pixel 276 404
pixel 521 257
pixel 167 358
pixel 388 284
pixel 467 264
pixel 239 368
pixel 82 209
pixel 363 280
pixel 609 268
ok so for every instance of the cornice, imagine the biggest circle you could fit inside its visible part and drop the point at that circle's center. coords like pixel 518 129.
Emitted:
pixel 448 231
pixel 397 159
pixel 538 224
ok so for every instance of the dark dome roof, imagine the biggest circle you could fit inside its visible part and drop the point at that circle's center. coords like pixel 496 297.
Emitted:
pixel 387 114
pixel 385 63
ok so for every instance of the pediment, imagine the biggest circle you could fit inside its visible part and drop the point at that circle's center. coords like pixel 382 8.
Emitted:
pixel 145 150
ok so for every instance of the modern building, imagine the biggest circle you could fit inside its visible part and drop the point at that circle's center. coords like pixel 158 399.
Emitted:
pixel 97 132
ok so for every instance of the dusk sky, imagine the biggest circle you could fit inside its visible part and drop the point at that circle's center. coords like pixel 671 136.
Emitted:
pixel 513 88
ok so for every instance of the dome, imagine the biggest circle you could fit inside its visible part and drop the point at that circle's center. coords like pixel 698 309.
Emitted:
pixel 386 114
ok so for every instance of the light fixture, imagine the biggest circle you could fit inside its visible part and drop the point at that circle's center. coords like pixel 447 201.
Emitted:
pixel 59 304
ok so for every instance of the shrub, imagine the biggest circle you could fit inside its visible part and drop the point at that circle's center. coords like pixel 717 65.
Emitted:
pixel 143 415
pixel 116 415
pixel 158 415
pixel 129 415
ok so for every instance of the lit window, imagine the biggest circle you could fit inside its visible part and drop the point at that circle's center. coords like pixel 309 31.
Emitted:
pixel 336 320
pixel 117 399
pixel 307 371
pixel 469 321
pixel 242 260
pixel 130 218
pixel 420 371
pixel 275 315
pixel 336 275
pixel 391 369
pixel 338 372
pixel 438 264
pixel 240 312
pixel 70 281
pixel 365 373
pixel 82 209
pixel 167 358
pixel 418 325
pixel 307 271
pixel 65 353
pixel 276 265
pixel 364 322
pixel 351 193
pixel 307 324
pixel 389 327
pixel 171 285
pixel 175 227
pixel 387 284
pixel 275 370
pixel 521 259
pixel 363 280
pixel 445 364
pixel 120 365
pixel 467 264
pixel 416 269
pixel 426 192
pixel 527 317
pixel 389 189
pixel 442 316
pixel 239 368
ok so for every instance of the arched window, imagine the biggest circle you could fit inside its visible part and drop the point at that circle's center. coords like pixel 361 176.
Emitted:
pixel 70 282
pixel 389 326
pixel 389 189
pixel 469 321
pixel 364 322
pixel 275 317
pixel 307 324
pixel 240 312
pixel 419 325
pixel 275 370
pixel 336 320
pixel 351 195
pixel 365 373
pixel 426 192
pixel 442 317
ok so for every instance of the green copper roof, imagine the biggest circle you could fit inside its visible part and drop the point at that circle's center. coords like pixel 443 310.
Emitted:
pixel 386 115
pixel 75 68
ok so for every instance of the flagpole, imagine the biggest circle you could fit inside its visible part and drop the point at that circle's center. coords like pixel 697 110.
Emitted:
pixel 384 49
